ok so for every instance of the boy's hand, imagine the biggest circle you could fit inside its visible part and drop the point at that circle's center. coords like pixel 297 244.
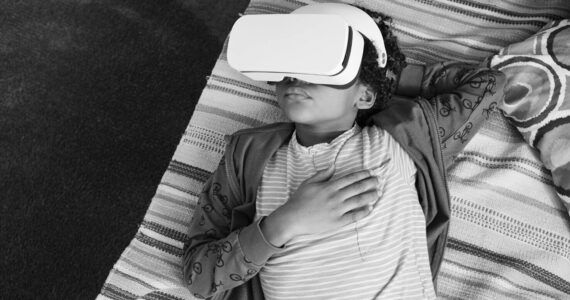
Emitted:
pixel 321 204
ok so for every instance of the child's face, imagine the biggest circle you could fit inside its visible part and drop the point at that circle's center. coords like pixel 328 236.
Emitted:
pixel 324 106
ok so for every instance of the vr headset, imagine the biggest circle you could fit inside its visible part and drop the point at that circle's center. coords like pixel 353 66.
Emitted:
pixel 318 43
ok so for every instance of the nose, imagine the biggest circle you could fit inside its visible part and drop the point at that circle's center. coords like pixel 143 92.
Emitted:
pixel 293 80
pixel 285 80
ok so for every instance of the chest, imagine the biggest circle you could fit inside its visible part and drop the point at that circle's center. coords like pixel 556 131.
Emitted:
pixel 342 259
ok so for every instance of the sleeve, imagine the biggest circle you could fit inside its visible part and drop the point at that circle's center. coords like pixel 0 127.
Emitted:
pixel 215 258
pixel 461 95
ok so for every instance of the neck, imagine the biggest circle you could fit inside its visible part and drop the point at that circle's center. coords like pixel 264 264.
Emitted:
pixel 308 135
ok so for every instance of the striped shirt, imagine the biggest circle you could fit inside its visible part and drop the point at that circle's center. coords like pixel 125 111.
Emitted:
pixel 383 256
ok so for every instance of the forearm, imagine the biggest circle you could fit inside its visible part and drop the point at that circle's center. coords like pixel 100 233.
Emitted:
pixel 463 100
pixel 440 78
pixel 218 254
pixel 461 96
pixel 208 265
pixel 214 265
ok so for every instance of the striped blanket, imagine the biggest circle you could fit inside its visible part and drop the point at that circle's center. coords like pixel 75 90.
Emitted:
pixel 510 231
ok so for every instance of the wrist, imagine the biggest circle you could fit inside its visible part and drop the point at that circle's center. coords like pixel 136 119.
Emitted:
pixel 275 230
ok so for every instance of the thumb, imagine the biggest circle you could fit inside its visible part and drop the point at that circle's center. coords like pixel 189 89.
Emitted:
pixel 322 175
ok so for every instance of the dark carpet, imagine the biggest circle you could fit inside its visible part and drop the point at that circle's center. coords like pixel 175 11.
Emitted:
pixel 94 97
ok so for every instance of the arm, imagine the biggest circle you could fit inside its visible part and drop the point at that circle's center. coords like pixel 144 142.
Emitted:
pixel 216 258
pixel 461 96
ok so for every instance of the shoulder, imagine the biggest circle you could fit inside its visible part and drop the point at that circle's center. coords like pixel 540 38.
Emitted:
pixel 401 160
pixel 378 137
pixel 412 124
pixel 256 145
pixel 391 145
pixel 398 158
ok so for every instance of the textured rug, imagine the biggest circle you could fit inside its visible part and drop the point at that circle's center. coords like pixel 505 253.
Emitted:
pixel 94 97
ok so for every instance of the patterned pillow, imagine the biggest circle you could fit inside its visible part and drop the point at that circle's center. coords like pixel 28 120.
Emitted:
pixel 537 97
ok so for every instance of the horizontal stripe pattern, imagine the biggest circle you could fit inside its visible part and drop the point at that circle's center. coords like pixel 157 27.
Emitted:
pixel 266 100
pixel 522 199
pixel 508 226
pixel 470 30
pixel 170 249
pixel 158 295
pixel 112 292
pixel 245 120
pixel 241 84
pixel 514 164
pixel 509 230
pixel 381 256
pixel 189 171
pixel 163 230
pixel 463 269
pixel 134 279
pixel 523 266
pixel 203 138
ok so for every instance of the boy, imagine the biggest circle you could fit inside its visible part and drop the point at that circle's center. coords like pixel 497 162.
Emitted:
pixel 297 210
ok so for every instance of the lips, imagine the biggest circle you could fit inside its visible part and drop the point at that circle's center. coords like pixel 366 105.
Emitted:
pixel 297 93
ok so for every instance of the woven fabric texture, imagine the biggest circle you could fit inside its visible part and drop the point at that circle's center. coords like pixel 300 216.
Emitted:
pixel 510 232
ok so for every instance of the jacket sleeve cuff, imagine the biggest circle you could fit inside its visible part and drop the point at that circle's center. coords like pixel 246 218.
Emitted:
pixel 254 245
pixel 410 81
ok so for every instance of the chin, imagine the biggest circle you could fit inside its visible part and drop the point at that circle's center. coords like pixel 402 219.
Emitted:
pixel 300 120
pixel 301 116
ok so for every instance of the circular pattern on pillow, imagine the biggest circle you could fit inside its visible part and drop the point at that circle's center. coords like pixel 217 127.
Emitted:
pixel 558 46
pixel 532 91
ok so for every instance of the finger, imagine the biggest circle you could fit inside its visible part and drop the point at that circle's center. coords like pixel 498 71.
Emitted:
pixel 359 201
pixel 323 175
pixel 351 178
pixel 355 215
pixel 357 188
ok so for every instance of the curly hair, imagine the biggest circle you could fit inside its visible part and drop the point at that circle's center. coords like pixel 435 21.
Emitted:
pixel 381 80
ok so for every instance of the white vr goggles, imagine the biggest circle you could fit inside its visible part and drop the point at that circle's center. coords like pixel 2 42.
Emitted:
pixel 318 43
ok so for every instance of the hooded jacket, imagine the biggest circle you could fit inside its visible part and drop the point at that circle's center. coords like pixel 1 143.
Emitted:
pixel 226 249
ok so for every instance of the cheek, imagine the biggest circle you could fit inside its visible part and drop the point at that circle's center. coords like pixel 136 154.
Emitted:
pixel 337 101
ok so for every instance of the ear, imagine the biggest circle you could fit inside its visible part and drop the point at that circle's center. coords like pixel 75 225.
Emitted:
pixel 366 99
